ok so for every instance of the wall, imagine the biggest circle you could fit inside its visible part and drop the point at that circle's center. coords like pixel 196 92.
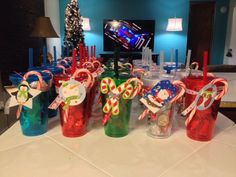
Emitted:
pixel 52 11
pixel 158 10
pixel 231 37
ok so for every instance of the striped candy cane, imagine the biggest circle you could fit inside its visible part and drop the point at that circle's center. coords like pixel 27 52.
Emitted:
pixel 62 67
pixel 49 85
pixel 180 93
pixel 88 65
pixel 191 110
pixel 195 64
pixel 88 83
pixel 138 70
pixel 126 90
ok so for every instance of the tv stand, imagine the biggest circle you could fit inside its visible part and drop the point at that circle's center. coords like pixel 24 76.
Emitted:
pixel 128 55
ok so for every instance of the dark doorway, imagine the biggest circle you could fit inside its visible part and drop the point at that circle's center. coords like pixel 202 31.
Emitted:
pixel 200 30
pixel 17 19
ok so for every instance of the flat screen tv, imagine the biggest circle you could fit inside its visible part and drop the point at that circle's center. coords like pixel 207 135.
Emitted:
pixel 130 35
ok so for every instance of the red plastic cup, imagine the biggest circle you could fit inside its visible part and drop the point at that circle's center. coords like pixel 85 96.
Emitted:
pixel 74 119
pixel 202 124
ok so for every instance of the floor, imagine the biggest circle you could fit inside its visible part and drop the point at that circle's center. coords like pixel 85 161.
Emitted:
pixel 136 155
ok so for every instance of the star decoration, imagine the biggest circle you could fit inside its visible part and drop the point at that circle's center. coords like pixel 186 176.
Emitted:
pixel 22 95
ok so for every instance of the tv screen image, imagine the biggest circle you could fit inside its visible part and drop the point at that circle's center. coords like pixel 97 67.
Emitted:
pixel 130 35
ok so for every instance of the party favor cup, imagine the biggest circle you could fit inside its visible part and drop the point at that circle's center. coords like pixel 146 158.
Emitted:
pixel 51 70
pixel 202 104
pixel 74 118
pixel 117 100
pixel 118 125
pixel 35 121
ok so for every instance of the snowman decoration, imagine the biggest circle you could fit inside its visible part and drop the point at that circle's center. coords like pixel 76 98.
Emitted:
pixel 72 93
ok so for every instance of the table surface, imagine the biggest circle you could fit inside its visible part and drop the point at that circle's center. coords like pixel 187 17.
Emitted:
pixel 230 97
pixel 136 155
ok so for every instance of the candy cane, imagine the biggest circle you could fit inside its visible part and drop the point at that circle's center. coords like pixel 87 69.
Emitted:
pixel 144 114
pixel 89 81
pixel 182 88
pixel 181 92
pixel 62 67
pixel 130 66
pixel 125 89
pixel 96 64
pixel 138 70
pixel 88 65
pixel 194 107
pixel 51 80
pixel 195 64
pixel 137 86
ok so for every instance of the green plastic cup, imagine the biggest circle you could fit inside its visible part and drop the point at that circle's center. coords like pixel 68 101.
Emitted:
pixel 118 126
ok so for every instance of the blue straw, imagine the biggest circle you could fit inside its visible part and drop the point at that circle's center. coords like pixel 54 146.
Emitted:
pixel 55 55
pixel 31 58
pixel 67 51
pixel 44 56
pixel 62 51
pixel 176 59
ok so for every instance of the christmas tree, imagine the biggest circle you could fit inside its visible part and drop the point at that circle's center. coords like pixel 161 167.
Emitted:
pixel 73 25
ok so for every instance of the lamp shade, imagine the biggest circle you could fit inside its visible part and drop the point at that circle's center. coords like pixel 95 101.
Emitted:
pixel 86 24
pixel 174 24
pixel 43 28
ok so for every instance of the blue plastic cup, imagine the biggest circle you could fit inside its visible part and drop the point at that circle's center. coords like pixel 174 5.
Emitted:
pixel 52 91
pixel 34 121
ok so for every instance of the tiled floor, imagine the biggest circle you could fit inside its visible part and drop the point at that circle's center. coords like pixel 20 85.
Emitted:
pixel 135 155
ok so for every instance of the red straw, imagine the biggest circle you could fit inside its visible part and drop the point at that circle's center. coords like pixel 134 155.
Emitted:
pixel 94 52
pixel 87 53
pixel 205 60
pixel 80 55
pixel 91 51
pixel 73 68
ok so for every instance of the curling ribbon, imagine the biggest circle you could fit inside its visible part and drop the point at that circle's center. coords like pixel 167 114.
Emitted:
pixel 126 90
pixel 181 92
pixel 194 107
pixel 39 87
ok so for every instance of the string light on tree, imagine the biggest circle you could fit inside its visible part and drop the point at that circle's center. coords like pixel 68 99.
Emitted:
pixel 73 25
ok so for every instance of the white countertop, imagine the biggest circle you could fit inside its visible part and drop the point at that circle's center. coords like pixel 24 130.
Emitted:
pixel 136 155
pixel 231 78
